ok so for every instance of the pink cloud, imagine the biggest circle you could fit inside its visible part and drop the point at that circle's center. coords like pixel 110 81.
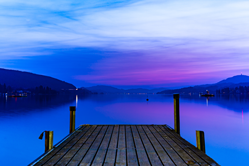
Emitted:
pixel 160 68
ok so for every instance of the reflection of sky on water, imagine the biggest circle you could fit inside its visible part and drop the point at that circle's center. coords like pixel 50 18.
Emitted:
pixel 224 128
pixel 225 124
pixel 234 102
pixel 13 106
pixel 242 116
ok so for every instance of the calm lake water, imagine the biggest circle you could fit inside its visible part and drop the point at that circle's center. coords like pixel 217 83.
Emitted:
pixel 225 121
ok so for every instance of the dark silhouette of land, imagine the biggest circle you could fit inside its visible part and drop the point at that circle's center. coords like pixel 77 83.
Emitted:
pixel 25 80
pixel 13 80
pixel 233 85
pixel 102 89
pixel 235 80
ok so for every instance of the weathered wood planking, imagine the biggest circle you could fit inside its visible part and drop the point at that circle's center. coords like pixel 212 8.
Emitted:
pixel 121 145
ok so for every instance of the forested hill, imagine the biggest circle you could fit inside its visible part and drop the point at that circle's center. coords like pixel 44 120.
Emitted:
pixel 230 84
pixel 112 90
pixel 19 79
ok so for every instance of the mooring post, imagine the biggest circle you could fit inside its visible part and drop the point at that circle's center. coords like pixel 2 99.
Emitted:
pixel 48 140
pixel 72 119
pixel 176 113
pixel 200 141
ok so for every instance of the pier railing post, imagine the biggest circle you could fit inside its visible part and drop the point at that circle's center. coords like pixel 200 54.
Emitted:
pixel 176 113
pixel 48 140
pixel 200 140
pixel 72 119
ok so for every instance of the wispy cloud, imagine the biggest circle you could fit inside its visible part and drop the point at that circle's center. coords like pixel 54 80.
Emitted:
pixel 189 34
pixel 136 24
pixel 44 23
pixel 163 68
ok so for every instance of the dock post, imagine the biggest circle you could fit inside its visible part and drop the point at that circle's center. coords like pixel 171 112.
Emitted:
pixel 48 140
pixel 200 141
pixel 72 119
pixel 176 113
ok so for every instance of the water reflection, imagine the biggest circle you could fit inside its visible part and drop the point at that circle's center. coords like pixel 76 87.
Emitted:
pixel 77 100
pixel 14 106
pixel 22 105
pixel 224 119
pixel 242 116
pixel 233 102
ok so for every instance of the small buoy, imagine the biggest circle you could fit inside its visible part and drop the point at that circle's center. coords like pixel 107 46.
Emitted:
pixel 147 99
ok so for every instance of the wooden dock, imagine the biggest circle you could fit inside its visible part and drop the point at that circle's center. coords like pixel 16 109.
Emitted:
pixel 122 145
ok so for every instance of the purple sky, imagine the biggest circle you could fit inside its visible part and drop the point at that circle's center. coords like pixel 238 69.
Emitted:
pixel 147 43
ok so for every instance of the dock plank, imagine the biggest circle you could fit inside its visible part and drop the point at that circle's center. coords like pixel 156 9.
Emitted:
pixel 205 158
pixel 101 153
pixel 60 154
pixel 181 152
pixel 51 154
pixel 89 157
pixel 76 159
pixel 75 148
pixel 131 151
pixel 154 159
pixel 166 160
pixel 141 152
pixel 121 153
pixel 124 145
pixel 112 149
pixel 186 148
pixel 175 157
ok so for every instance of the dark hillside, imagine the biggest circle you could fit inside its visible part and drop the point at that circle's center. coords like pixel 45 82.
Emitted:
pixel 230 83
pixel 19 79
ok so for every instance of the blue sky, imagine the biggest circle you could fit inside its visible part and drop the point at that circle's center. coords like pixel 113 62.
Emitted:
pixel 149 43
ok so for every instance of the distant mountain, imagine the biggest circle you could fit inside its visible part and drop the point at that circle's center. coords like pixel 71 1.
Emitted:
pixel 155 90
pixel 138 90
pixel 235 79
pixel 142 90
pixel 104 89
pixel 231 82
pixel 20 79
pixel 111 90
